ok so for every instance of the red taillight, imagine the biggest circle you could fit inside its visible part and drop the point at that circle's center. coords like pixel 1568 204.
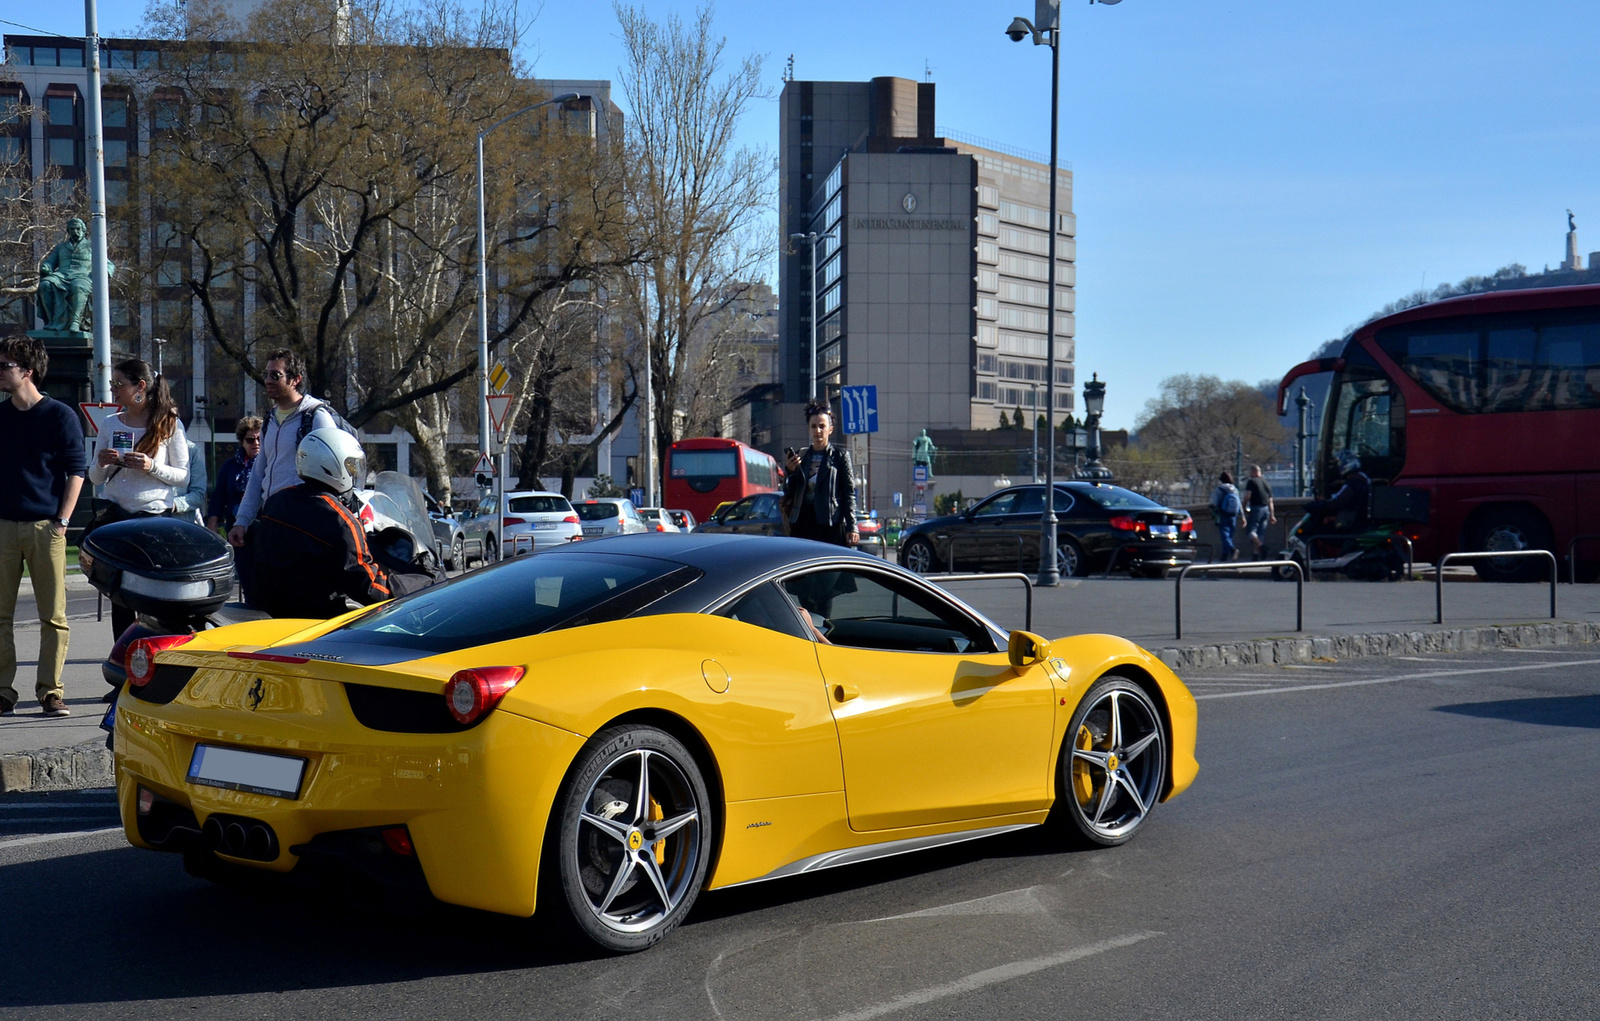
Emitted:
pixel 508 522
pixel 398 838
pixel 472 693
pixel 1124 523
pixel 660 527
pixel 267 656
pixel 1186 525
pixel 141 661
pixel 366 515
pixel 570 519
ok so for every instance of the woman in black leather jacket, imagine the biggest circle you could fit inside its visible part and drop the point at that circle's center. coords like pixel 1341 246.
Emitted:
pixel 819 494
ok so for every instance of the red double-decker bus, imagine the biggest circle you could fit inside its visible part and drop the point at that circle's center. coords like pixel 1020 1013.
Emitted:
pixel 707 471
pixel 1488 402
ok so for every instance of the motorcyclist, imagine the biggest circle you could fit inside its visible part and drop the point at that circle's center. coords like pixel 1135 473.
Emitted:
pixel 310 553
pixel 1346 510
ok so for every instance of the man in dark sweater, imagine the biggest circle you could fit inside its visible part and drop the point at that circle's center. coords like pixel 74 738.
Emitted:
pixel 42 464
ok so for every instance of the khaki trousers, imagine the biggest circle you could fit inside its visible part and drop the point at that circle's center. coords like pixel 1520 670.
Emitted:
pixel 35 544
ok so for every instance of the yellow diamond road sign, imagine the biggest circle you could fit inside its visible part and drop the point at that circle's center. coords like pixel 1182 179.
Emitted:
pixel 499 377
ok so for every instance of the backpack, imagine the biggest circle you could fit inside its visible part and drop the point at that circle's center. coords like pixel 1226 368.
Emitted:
pixel 1225 504
pixel 307 421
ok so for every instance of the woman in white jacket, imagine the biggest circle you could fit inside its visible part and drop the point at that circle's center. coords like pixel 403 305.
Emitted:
pixel 141 456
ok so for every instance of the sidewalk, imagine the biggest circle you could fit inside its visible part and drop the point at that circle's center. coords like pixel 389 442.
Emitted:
pixel 1225 622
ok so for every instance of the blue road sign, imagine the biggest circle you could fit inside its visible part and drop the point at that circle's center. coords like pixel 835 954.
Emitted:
pixel 860 406
pixel 919 473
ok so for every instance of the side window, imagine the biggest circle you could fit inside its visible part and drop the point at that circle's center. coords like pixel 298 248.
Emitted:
pixel 765 507
pixel 739 511
pixel 999 504
pixel 869 610
pixel 1063 501
pixel 1030 501
pixel 764 606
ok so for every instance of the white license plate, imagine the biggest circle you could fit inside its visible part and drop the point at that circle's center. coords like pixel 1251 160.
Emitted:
pixel 1163 529
pixel 544 525
pixel 595 531
pixel 256 772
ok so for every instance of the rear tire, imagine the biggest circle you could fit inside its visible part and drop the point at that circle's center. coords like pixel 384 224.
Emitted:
pixel 1071 562
pixel 458 553
pixel 491 549
pixel 1511 528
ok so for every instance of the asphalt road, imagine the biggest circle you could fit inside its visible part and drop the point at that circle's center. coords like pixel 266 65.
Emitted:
pixel 1385 838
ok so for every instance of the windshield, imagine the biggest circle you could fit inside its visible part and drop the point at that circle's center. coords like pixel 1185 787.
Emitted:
pixel 399 498
pixel 539 505
pixel 597 511
pixel 523 596
pixel 1117 498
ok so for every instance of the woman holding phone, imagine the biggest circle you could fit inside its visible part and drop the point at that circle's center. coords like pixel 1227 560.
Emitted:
pixel 141 456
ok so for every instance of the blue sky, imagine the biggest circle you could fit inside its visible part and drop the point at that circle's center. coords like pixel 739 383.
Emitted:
pixel 1252 177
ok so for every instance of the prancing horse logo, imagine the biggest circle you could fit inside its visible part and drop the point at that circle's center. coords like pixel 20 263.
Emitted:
pixel 258 691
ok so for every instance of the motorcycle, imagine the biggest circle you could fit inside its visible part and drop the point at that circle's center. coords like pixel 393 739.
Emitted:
pixel 178 577
pixel 1370 555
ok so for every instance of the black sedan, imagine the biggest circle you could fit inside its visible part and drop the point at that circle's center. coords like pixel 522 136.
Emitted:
pixel 1095 521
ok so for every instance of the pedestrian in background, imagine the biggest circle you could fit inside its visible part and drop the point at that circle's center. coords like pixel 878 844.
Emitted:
pixel 232 476
pixel 141 456
pixel 819 493
pixel 1228 513
pixel 188 504
pixel 41 473
pixel 1258 510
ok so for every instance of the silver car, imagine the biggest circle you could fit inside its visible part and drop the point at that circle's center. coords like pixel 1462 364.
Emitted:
pixel 610 515
pixel 544 520
pixel 659 519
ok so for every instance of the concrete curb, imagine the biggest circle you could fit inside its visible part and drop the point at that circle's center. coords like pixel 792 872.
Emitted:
pixel 58 769
pixel 1384 643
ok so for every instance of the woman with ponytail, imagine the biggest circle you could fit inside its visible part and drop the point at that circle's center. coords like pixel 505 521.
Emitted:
pixel 141 456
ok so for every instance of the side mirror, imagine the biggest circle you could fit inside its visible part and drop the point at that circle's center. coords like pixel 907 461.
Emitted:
pixel 1027 648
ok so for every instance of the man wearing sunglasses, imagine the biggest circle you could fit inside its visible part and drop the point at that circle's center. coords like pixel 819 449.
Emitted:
pixel 274 466
pixel 42 464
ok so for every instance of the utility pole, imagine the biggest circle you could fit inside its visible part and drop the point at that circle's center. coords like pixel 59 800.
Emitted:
pixel 1238 459
pixel 99 268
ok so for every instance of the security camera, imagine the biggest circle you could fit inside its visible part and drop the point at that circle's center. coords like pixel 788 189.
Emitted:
pixel 1019 30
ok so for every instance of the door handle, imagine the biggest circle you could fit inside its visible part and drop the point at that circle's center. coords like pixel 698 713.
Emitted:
pixel 844 692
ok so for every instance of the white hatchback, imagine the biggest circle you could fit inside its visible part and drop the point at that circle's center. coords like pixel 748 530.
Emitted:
pixel 659 519
pixel 610 515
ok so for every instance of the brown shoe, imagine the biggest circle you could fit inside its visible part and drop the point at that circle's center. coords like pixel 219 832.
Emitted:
pixel 54 706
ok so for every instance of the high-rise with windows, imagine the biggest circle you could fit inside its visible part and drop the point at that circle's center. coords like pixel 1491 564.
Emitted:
pixel 933 283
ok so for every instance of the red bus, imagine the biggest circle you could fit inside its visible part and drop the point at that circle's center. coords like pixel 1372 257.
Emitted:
pixel 704 472
pixel 1490 403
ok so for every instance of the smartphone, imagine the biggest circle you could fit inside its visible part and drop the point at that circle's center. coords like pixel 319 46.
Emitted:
pixel 122 442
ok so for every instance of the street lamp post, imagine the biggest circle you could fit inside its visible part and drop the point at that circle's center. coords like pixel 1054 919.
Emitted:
pixel 811 238
pixel 1046 31
pixel 1302 402
pixel 483 297
pixel 1035 432
pixel 1094 402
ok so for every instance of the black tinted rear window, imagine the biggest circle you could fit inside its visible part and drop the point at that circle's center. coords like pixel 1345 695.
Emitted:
pixel 597 511
pixel 524 596
pixel 539 505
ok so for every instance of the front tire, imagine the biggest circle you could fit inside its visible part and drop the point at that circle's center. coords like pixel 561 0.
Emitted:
pixel 919 556
pixel 633 838
pixel 1113 765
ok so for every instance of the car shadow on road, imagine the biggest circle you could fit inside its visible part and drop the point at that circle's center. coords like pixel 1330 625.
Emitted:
pixel 1557 711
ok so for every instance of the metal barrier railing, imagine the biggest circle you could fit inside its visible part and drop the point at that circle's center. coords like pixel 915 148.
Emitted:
pixel 1027 587
pixel 1438 574
pixel 1410 549
pixel 950 550
pixel 1111 564
pixel 1299 588
pixel 1572 555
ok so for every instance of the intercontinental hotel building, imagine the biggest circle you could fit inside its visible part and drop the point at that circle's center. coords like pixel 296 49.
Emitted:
pixel 932 286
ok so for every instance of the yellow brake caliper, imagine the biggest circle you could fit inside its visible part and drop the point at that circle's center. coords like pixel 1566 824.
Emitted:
pixel 660 846
pixel 1084 786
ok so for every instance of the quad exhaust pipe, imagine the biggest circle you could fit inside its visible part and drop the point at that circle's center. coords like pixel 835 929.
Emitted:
pixel 239 837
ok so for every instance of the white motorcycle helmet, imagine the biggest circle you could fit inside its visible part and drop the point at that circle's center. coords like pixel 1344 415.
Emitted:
pixel 332 457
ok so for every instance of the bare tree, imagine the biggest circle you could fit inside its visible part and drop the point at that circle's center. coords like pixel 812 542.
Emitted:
pixel 1189 432
pixel 32 218
pixel 698 200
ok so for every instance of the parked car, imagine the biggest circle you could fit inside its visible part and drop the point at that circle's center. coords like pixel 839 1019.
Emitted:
pixel 1095 521
pixel 683 519
pixel 756 514
pixel 548 517
pixel 658 519
pixel 449 538
pixel 610 515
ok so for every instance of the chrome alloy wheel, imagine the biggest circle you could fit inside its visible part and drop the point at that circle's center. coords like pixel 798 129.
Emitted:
pixel 1114 775
pixel 635 849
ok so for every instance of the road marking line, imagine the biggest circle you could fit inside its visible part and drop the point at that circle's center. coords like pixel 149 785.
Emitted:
pixel 1012 902
pixel 44 806
pixel 990 976
pixel 1404 677
pixel 45 838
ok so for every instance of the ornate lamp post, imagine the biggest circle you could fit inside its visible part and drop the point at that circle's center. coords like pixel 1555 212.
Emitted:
pixel 1094 402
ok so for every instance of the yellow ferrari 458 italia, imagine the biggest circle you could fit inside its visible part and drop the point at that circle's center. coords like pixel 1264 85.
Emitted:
pixel 604 732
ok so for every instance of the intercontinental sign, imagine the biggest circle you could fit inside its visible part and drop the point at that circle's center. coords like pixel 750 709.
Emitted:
pixel 907 223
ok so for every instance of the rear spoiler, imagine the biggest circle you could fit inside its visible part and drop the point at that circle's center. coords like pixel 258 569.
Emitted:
pixel 1310 368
